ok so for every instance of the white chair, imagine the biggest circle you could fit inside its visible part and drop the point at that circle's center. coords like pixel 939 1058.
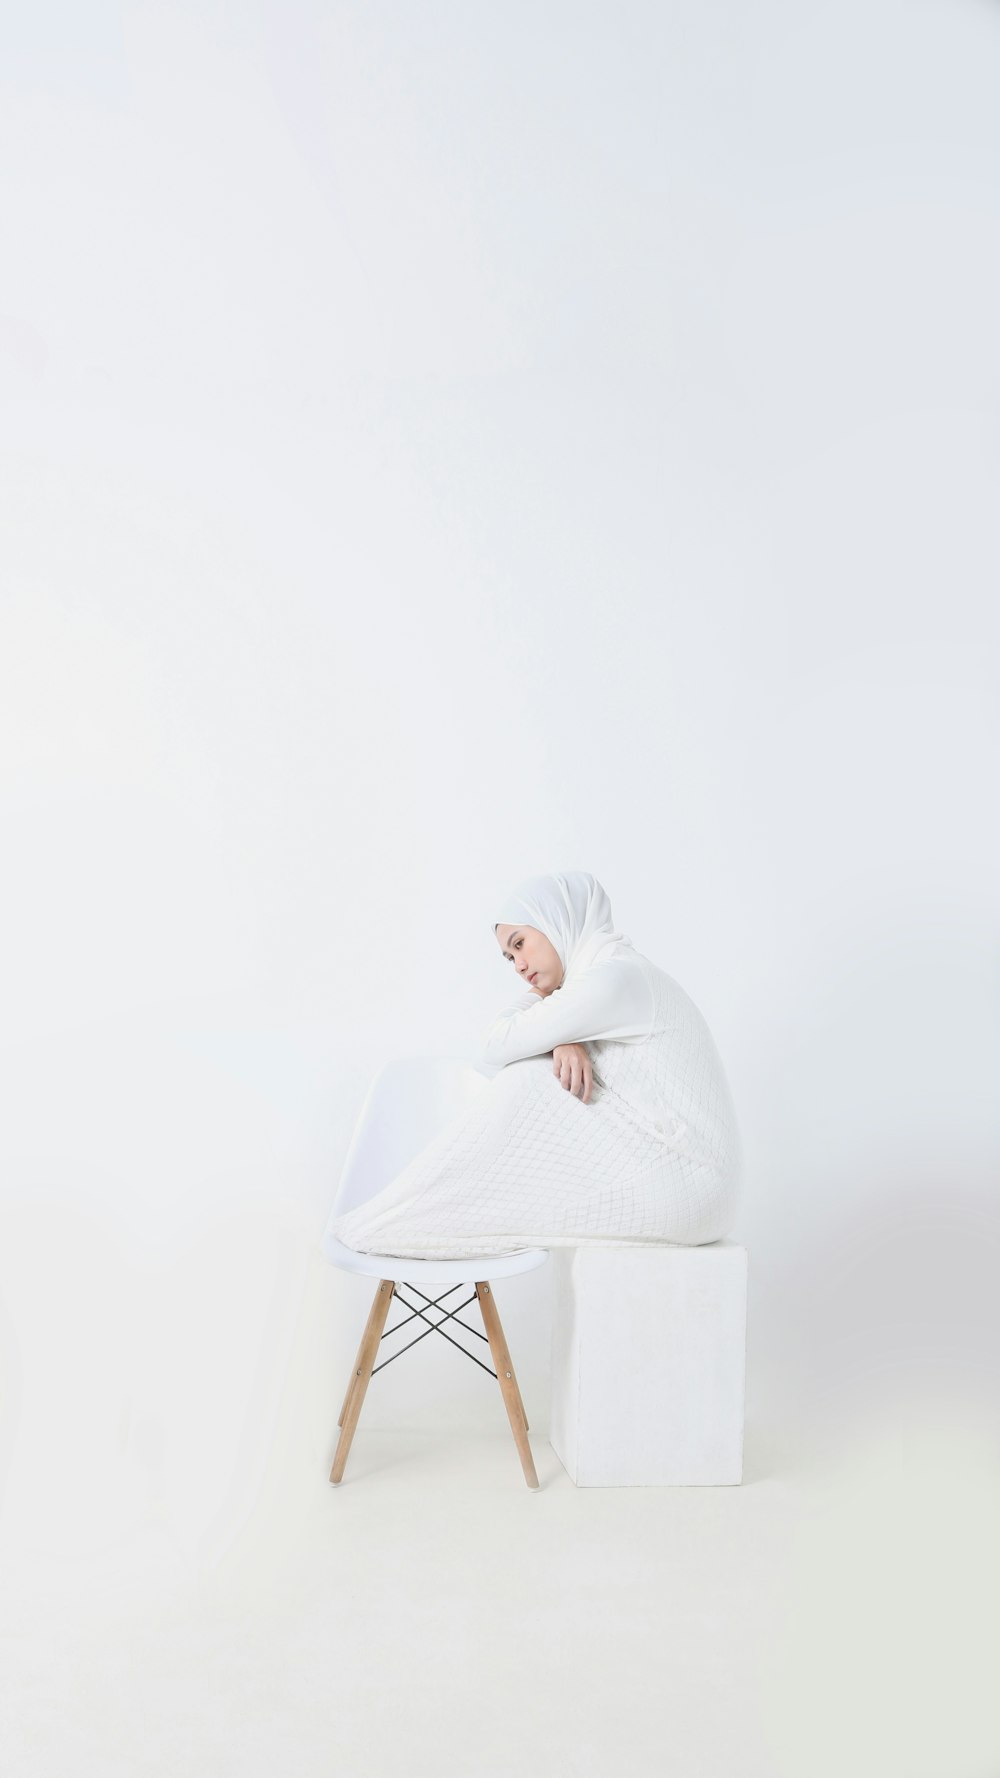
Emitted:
pixel 408 1102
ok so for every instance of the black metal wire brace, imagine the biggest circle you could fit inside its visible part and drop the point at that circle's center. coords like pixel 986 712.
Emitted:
pixel 433 1326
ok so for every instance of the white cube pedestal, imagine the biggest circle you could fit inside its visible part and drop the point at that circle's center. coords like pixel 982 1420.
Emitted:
pixel 649 1364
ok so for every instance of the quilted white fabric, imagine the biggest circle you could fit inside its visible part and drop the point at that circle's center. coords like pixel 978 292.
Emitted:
pixel 654 1156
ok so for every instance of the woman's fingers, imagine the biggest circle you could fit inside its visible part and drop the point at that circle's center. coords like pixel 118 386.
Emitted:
pixel 565 1070
pixel 574 1072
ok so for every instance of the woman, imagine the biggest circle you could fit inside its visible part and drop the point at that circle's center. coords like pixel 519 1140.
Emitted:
pixel 610 1121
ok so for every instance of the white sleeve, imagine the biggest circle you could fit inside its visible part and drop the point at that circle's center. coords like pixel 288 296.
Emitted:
pixel 611 1000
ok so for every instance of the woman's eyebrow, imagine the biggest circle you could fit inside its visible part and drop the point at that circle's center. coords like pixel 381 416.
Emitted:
pixel 510 941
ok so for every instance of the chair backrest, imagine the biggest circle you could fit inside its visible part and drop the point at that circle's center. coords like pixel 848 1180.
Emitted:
pixel 407 1104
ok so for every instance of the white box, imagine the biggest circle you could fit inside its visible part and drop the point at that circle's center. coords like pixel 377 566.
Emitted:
pixel 649 1364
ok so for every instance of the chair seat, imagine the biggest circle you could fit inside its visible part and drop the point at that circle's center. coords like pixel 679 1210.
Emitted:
pixel 445 1271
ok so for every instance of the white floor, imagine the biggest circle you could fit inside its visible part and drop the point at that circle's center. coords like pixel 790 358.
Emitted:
pixel 434 1616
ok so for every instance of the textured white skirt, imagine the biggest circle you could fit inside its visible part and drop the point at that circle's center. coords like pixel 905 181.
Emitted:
pixel 528 1164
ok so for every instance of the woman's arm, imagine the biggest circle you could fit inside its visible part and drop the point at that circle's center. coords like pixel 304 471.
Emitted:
pixel 610 1000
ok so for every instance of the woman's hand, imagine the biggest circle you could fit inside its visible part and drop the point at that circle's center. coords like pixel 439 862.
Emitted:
pixel 571 1064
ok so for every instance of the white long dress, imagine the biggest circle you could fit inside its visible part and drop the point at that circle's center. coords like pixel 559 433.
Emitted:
pixel 654 1156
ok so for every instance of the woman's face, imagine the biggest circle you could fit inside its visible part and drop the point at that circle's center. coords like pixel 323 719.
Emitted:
pixel 534 958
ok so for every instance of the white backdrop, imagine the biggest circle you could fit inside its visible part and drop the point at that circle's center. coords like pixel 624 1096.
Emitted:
pixel 441 443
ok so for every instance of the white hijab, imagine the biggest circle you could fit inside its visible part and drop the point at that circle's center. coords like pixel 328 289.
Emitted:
pixel 572 909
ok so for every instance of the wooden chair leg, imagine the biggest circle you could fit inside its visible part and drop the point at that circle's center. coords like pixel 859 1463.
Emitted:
pixel 508 1382
pixel 354 1373
pixel 347 1397
pixel 354 1400
pixel 520 1402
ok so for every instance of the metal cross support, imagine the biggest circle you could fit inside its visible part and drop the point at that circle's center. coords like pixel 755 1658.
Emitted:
pixel 433 1326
